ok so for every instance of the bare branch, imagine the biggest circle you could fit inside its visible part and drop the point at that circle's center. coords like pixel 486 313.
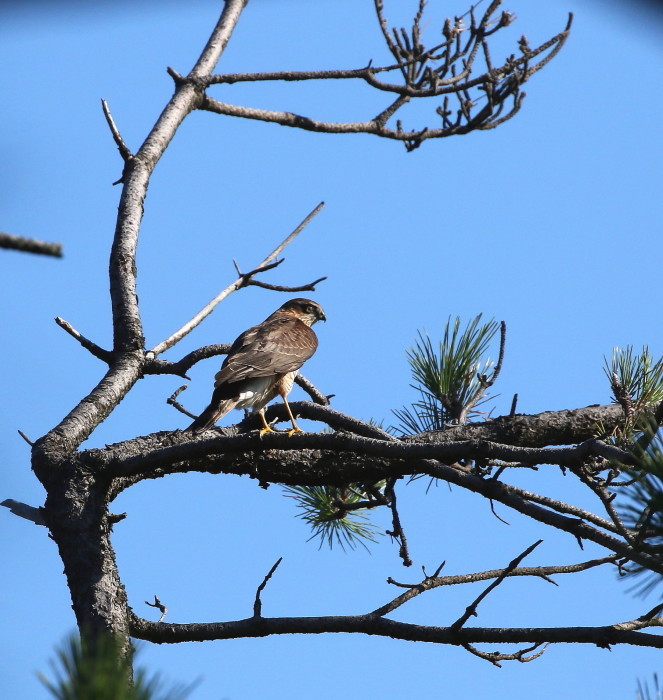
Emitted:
pixel 426 73
pixel 122 147
pixel 171 401
pixel 471 610
pixel 257 606
pixel 30 245
pixel 128 341
pixel 435 581
pixel 237 284
pixel 608 635
pixel 316 395
pixel 523 655
pixel 98 352
pixel 398 532
pixel 179 368
pixel 25 437
pixel 310 287
pixel 485 382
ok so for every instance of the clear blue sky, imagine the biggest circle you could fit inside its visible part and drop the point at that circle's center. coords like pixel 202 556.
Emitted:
pixel 551 222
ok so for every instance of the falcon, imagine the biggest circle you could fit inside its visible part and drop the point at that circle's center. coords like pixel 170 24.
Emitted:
pixel 263 363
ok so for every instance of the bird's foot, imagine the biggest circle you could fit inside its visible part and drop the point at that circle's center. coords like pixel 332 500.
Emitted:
pixel 265 430
pixel 294 430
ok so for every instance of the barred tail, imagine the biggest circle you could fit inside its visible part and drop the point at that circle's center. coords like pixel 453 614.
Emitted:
pixel 216 410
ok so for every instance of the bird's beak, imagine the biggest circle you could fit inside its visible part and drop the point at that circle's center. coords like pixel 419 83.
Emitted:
pixel 321 316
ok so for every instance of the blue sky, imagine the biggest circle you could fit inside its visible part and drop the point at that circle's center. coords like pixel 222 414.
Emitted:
pixel 552 223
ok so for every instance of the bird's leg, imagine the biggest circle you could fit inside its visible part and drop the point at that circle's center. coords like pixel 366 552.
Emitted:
pixel 267 428
pixel 295 427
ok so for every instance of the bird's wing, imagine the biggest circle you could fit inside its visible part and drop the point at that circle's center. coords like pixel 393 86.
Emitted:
pixel 276 346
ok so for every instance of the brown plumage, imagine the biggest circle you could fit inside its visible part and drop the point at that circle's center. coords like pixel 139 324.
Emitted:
pixel 263 363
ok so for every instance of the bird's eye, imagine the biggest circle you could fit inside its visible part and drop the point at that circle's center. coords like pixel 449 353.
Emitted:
pixel 308 308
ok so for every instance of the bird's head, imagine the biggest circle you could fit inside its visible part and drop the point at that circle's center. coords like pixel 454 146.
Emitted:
pixel 305 310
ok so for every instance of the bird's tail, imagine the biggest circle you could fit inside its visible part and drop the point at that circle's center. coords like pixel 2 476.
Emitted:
pixel 216 410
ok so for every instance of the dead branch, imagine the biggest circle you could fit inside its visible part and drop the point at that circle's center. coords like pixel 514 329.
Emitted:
pixel 398 533
pixel 240 282
pixel 122 147
pixel 604 636
pixel 443 70
pixel 471 610
pixel 257 606
pixel 485 382
pixel 98 352
pixel 523 655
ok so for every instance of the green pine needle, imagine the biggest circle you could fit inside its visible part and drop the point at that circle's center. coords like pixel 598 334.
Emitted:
pixel 644 693
pixel 97 671
pixel 321 509
pixel 640 505
pixel 636 379
pixel 447 377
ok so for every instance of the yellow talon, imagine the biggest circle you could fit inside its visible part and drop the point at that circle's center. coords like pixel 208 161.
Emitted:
pixel 294 430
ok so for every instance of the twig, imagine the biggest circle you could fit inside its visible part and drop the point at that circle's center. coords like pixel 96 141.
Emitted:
pixel 436 581
pixel 316 395
pixel 492 507
pixel 26 438
pixel 257 606
pixel 495 656
pixel 161 607
pixel 398 532
pixel 280 288
pixel 237 284
pixel 471 610
pixel 484 381
pixel 30 245
pixel 98 352
pixel 446 69
pixel 175 404
pixel 179 368
pixel 514 403
pixel 122 147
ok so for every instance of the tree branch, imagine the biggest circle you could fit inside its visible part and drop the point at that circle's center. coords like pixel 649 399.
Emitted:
pixel 30 245
pixel 471 610
pixel 98 352
pixel 257 606
pixel 426 73
pixel 564 427
pixel 240 282
pixel 603 636
pixel 435 581
pixel 122 147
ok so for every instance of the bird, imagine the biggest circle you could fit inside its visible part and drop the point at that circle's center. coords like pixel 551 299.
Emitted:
pixel 262 363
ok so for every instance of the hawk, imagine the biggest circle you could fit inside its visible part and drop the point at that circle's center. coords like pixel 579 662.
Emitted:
pixel 263 363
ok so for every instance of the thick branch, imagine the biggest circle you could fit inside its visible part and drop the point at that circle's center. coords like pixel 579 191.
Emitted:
pixel 339 459
pixel 564 427
pixel 128 342
pixel 127 325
